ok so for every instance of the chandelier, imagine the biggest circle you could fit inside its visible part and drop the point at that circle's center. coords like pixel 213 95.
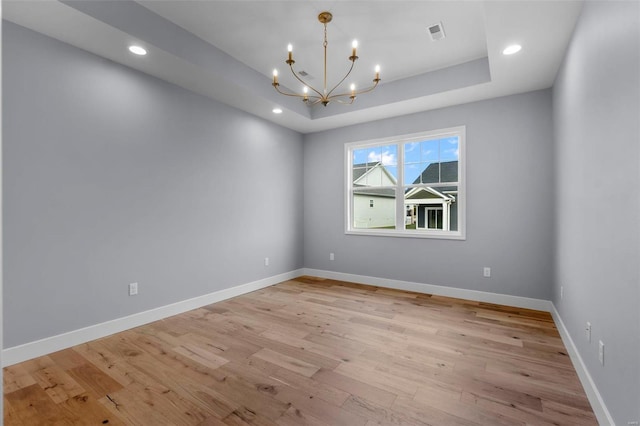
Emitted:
pixel 313 96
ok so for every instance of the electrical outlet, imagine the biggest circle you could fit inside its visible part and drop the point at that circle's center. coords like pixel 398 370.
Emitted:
pixel 332 256
pixel 486 272
pixel 266 261
pixel 561 292
pixel 587 331
pixel 133 289
pixel 601 352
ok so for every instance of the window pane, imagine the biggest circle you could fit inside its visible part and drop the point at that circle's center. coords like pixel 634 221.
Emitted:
pixel 449 171
pixel 432 173
pixel 431 208
pixel 376 166
pixel 449 149
pixel 431 161
pixel 449 156
pixel 374 208
pixel 429 173
pixel 411 152
pixel 412 173
pixel 430 151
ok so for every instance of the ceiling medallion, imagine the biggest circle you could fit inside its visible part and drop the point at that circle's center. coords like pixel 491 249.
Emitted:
pixel 312 96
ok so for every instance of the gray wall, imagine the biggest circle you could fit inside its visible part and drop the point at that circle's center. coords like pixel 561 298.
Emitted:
pixel 596 101
pixel 509 202
pixel 113 177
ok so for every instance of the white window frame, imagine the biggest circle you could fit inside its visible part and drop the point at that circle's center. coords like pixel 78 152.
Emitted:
pixel 400 231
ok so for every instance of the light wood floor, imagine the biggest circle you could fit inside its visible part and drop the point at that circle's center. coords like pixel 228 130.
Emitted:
pixel 316 352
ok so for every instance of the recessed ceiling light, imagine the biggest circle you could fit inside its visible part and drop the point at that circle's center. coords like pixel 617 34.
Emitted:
pixel 277 111
pixel 510 50
pixel 138 50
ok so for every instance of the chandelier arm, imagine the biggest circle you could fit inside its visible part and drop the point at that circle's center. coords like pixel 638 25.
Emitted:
pixel 351 95
pixel 295 95
pixel 303 82
pixel 343 79
pixel 314 99
pixel 359 92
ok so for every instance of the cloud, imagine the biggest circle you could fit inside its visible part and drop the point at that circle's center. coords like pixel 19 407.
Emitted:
pixel 453 151
pixel 387 158
pixel 408 147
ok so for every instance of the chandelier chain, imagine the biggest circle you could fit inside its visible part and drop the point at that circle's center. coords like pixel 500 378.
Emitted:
pixel 325 59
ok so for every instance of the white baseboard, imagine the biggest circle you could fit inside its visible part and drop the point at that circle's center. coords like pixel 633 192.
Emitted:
pixel 48 345
pixel 460 293
pixel 595 399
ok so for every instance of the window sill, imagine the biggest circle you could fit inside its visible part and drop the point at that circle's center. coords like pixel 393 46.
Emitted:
pixel 408 234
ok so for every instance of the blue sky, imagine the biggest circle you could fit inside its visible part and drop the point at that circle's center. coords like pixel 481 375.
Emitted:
pixel 417 156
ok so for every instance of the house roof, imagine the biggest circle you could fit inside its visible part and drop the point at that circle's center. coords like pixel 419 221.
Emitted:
pixel 374 192
pixel 446 171
pixel 360 169
pixel 417 194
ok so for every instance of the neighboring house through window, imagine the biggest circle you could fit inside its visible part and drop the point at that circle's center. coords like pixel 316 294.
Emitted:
pixel 411 185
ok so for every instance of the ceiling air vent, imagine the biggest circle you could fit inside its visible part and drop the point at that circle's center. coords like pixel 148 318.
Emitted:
pixel 436 31
pixel 303 73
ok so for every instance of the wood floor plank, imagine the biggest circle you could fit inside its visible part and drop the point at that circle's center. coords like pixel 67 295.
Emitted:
pixel 187 382
pixel 93 380
pixel 10 414
pixel 570 415
pixel 32 406
pixel 429 414
pixel 377 414
pixel 200 355
pixel 270 378
pixel 376 395
pixel 319 409
pixel 312 351
pixel 287 362
pixel 68 358
pixel 57 384
pixel 16 377
pixel 87 411
pixel 245 416
pixel 295 417
pixel 98 354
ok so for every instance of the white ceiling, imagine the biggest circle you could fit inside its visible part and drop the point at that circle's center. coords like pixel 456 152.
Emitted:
pixel 227 49
pixel 257 34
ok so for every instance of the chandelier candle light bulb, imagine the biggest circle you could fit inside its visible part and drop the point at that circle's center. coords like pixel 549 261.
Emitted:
pixel 311 95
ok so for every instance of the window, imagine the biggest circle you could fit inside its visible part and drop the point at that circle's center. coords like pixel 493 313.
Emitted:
pixel 410 186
